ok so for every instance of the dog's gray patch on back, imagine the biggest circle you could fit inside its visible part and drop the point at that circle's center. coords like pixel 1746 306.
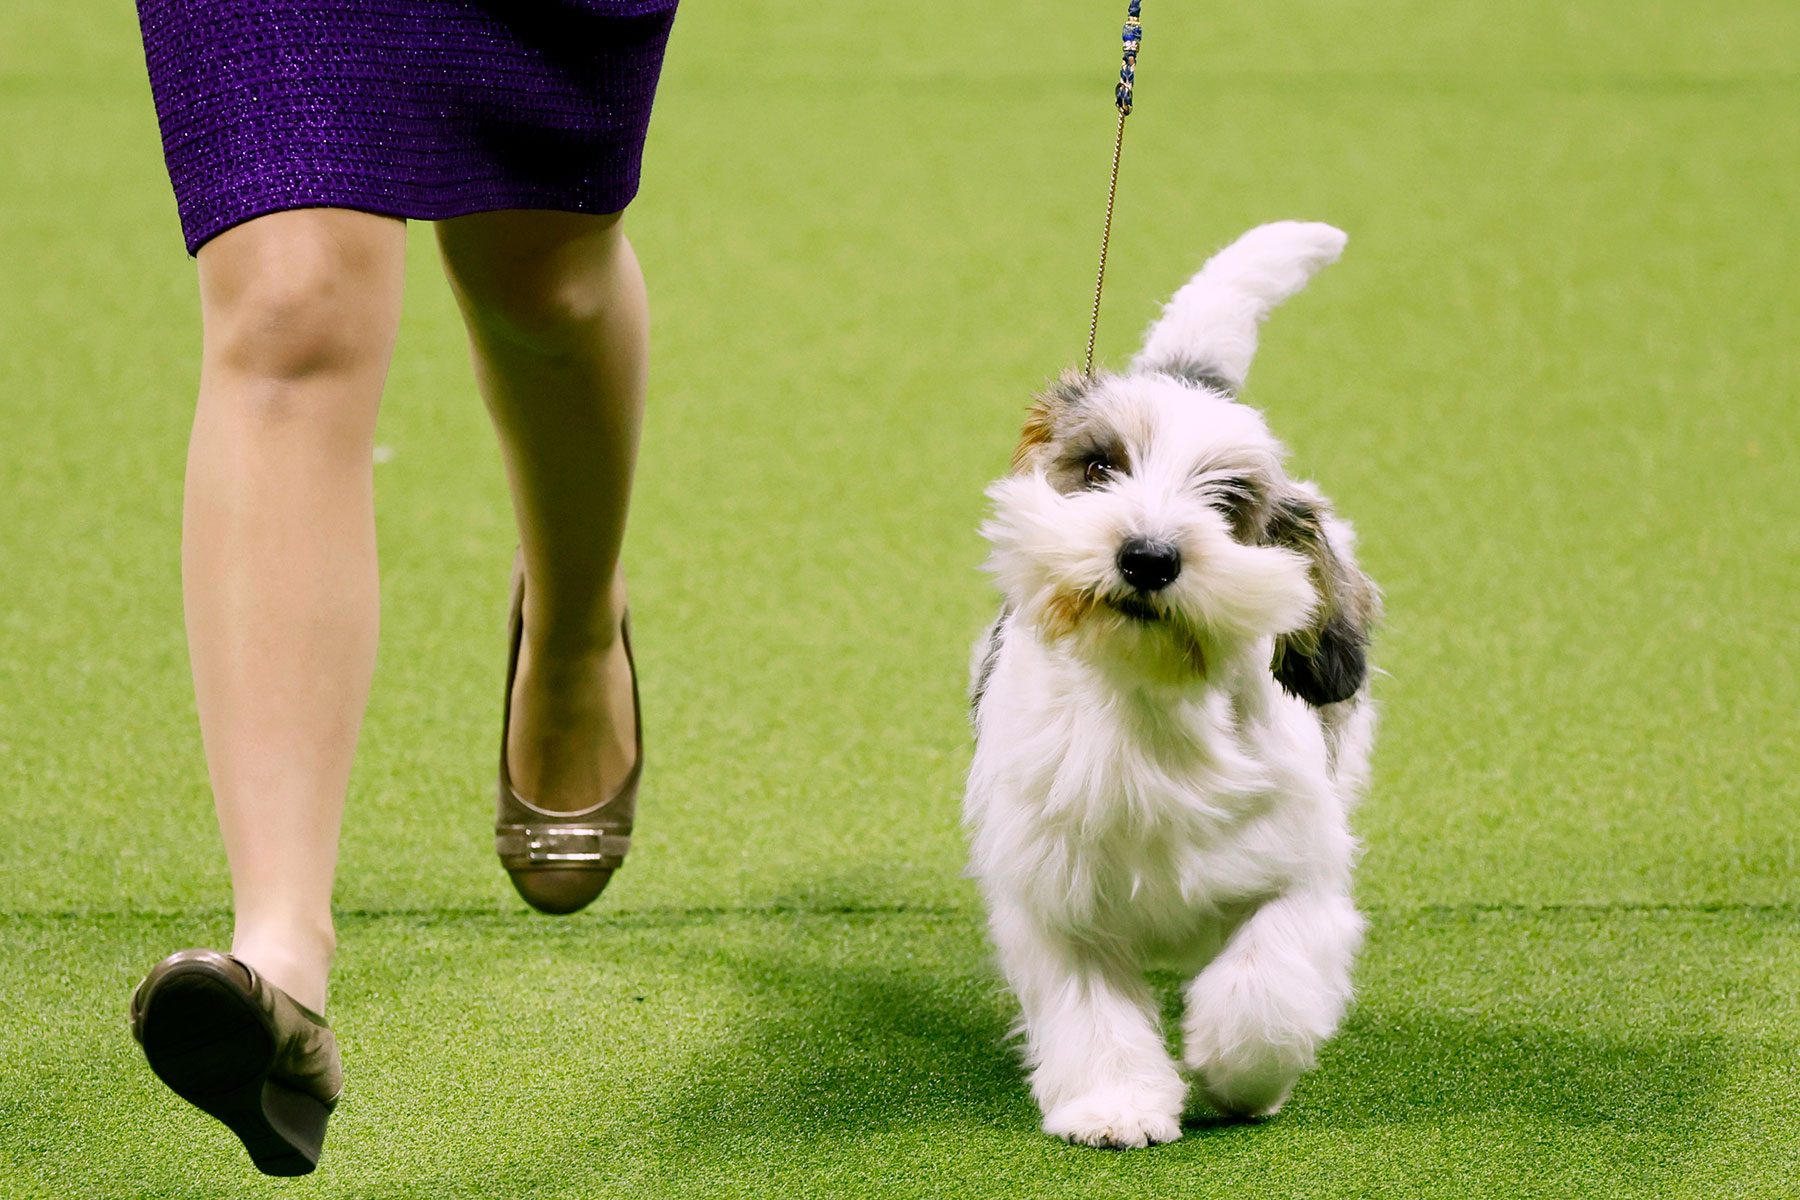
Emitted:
pixel 1071 388
pixel 1199 373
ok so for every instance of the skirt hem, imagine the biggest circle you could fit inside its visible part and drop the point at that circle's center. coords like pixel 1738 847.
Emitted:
pixel 247 208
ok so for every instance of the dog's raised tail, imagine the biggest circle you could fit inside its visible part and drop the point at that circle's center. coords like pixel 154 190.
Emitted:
pixel 1207 331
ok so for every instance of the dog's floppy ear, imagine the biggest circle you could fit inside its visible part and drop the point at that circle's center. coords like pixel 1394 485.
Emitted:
pixel 1049 412
pixel 1327 661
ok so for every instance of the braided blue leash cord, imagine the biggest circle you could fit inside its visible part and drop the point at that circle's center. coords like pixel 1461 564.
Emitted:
pixel 1132 37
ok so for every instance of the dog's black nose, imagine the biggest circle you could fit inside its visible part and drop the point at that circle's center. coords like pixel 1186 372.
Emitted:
pixel 1149 566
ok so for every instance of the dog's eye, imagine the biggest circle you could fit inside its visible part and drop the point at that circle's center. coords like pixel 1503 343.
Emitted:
pixel 1230 491
pixel 1099 472
pixel 1231 495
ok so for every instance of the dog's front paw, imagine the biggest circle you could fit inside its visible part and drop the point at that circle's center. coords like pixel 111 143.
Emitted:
pixel 1113 1120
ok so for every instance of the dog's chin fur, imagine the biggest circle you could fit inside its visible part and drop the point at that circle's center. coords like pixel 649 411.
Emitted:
pixel 1129 639
pixel 1148 786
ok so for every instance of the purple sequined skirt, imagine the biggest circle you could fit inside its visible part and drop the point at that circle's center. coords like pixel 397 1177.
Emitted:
pixel 414 108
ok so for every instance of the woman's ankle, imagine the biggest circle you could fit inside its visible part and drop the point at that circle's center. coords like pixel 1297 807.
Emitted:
pixel 572 739
pixel 296 960
pixel 564 642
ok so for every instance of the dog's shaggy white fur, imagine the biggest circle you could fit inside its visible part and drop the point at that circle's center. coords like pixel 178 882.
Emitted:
pixel 1172 722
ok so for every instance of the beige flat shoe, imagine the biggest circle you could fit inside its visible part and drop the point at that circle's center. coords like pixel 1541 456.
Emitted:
pixel 560 861
pixel 241 1050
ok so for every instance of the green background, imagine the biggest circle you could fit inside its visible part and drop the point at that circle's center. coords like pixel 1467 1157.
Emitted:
pixel 1553 381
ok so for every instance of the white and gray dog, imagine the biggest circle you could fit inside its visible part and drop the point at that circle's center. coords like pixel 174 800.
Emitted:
pixel 1172 722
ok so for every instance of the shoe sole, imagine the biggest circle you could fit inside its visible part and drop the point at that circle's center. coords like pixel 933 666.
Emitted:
pixel 215 1050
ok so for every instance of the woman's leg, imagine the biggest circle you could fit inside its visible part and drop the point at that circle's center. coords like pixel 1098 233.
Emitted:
pixel 278 556
pixel 554 304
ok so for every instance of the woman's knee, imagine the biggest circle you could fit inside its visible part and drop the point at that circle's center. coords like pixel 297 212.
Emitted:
pixel 302 294
pixel 537 280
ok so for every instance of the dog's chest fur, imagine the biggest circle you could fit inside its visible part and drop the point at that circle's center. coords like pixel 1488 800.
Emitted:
pixel 1150 822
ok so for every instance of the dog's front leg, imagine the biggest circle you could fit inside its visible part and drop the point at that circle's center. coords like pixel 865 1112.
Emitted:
pixel 1258 1013
pixel 1099 1068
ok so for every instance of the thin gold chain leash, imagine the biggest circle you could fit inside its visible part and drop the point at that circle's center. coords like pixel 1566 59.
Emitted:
pixel 1132 37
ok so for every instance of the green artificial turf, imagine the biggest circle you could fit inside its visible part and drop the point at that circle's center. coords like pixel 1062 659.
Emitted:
pixel 1553 381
